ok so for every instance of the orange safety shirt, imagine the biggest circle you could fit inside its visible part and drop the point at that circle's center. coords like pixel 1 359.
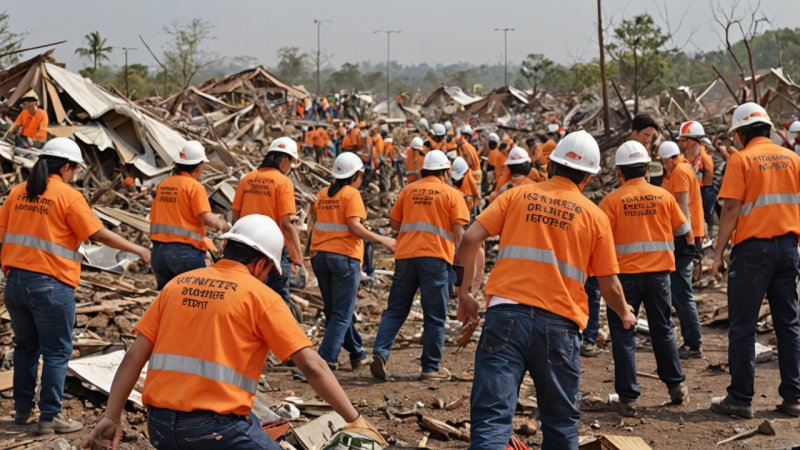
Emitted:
pixel 414 161
pixel 353 141
pixel 645 219
pixel 426 211
pixel 683 179
pixel 174 216
pixel 765 177
pixel 388 150
pixel 469 188
pixel 469 154
pixel 440 145
pixel 501 173
pixel 331 233
pixel 554 232
pixel 211 330
pixel 536 176
pixel 320 138
pixel 43 235
pixel 703 166
pixel 545 150
pixel 35 126
pixel 266 191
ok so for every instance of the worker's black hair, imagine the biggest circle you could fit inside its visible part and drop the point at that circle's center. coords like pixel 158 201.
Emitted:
pixel 433 173
pixel 273 160
pixel 189 168
pixel 520 169
pixel 339 183
pixel 457 183
pixel 236 251
pixel 574 175
pixel 750 132
pixel 530 142
pixel 492 145
pixel 642 121
pixel 633 171
pixel 502 146
pixel 44 167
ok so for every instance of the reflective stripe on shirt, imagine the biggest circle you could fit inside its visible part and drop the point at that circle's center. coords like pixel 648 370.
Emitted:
pixel 683 229
pixel 202 368
pixel 543 256
pixel 426 227
pixel 770 199
pixel 172 229
pixel 330 226
pixel 645 246
pixel 43 245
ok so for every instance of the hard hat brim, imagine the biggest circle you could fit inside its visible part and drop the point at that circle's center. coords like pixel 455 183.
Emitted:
pixel 571 165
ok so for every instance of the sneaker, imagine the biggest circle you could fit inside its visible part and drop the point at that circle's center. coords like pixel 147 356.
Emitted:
pixel 60 424
pixel 790 409
pixel 359 363
pixel 686 352
pixel 378 367
pixel 625 408
pixel 24 418
pixel 679 394
pixel 589 350
pixel 435 375
pixel 720 405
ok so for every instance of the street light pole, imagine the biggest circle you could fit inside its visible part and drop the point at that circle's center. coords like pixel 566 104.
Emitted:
pixel 126 49
pixel 505 51
pixel 319 23
pixel 388 58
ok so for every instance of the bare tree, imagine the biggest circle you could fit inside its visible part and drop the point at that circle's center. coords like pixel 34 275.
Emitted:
pixel 10 42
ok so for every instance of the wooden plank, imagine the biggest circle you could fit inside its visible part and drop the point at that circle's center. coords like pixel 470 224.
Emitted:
pixel 315 434
pixel 624 442
pixel 6 380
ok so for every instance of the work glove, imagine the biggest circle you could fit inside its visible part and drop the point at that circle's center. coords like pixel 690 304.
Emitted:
pixel 364 427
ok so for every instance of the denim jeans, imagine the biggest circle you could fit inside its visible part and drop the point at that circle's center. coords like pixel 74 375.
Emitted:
pixel 430 276
pixel 592 289
pixel 198 430
pixel 42 311
pixel 516 339
pixel 338 276
pixel 762 267
pixel 652 290
pixel 709 197
pixel 280 282
pixel 682 295
pixel 171 259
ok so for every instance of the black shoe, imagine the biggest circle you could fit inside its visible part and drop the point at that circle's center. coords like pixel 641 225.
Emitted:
pixel 686 352
pixel 625 408
pixel 378 367
pixel 589 350
pixel 790 409
pixel 720 405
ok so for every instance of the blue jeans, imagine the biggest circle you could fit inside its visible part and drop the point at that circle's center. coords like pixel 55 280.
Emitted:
pixel 42 311
pixel 176 430
pixel 762 267
pixel 430 276
pixel 592 289
pixel 652 290
pixel 709 197
pixel 516 339
pixel 339 276
pixel 369 259
pixel 280 282
pixel 682 294
pixel 171 259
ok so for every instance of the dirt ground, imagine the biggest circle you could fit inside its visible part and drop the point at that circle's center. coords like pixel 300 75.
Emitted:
pixel 690 426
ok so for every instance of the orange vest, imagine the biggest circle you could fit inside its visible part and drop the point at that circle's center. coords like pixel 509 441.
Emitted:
pixel 174 216
pixel 43 235
pixel 644 219
pixel 469 154
pixel 551 238
pixel 353 141
pixel 34 127
pixel 546 149
pixel 211 331
pixel 426 211
pixel 683 179
pixel 469 188
pixel 331 233
pixel 414 160
pixel 765 177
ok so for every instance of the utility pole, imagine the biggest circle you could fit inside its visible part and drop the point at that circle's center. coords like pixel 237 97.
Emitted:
pixel 505 51
pixel 388 56
pixel 319 23
pixel 603 83
pixel 126 50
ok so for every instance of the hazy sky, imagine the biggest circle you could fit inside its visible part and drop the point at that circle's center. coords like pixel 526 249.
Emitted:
pixel 433 31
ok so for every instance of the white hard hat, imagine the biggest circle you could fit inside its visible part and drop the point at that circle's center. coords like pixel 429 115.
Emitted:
pixel 452 154
pixel 284 145
pixel 517 155
pixel 62 147
pixel 439 129
pixel 493 137
pixel 460 168
pixel 578 150
pixel 388 140
pixel 466 129
pixel 261 233
pixel 423 123
pixel 416 143
pixel 192 153
pixel 552 128
pixel 668 149
pixel 448 125
pixel 347 164
pixel 435 160
pixel 351 125
pixel 795 127
pixel 631 152
pixel 705 140
pixel 691 129
pixel 748 114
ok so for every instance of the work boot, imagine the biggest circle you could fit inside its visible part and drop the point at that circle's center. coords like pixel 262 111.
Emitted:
pixel 359 363
pixel 589 350
pixel 435 375
pixel 722 406
pixel 26 418
pixel 625 408
pixel 790 409
pixel 332 365
pixel 378 367
pixel 59 424
pixel 686 352
pixel 679 394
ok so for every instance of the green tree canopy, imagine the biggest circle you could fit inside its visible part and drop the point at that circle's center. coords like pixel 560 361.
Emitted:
pixel 96 49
